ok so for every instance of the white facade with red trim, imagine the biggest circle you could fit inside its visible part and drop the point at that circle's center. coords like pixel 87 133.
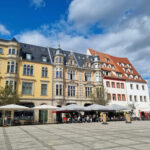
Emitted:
pixel 116 90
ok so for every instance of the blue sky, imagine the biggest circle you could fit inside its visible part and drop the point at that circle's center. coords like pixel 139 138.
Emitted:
pixel 20 15
pixel 117 27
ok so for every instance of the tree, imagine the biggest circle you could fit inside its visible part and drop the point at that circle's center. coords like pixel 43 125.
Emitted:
pixel 132 106
pixel 8 95
pixel 100 96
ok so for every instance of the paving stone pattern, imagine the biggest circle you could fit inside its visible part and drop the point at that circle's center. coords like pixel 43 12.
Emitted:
pixel 84 136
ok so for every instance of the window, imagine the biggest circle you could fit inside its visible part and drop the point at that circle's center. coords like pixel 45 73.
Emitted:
pixel 107 59
pixel 98 77
pixel 27 88
pixel 118 85
pixel 107 73
pixel 88 91
pixel 9 51
pixel 44 72
pixel 113 84
pixel 137 87
pixel 11 67
pixel 96 66
pixel 145 99
pixel 1 50
pixel 28 70
pixel 141 99
pixel 12 83
pixel 109 96
pixel 107 84
pixel 58 72
pixel 59 90
pixel 71 75
pixel 122 85
pixel 58 59
pixel 87 76
pixel 43 89
pixel 114 97
pixel 71 90
pixel 119 97
pixel 143 87
pixel 44 58
pixel 135 98
pixel 123 97
pixel 131 98
pixel 28 56
pixel 131 86
pixel 99 92
pixel 13 51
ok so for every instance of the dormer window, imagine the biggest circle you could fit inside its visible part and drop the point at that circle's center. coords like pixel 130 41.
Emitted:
pixel 59 60
pixel 107 59
pixel 44 58
pixel 28 56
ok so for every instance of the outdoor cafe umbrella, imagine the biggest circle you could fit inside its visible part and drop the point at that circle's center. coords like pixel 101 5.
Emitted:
pixel 116 107
pixel 45 107
pixel 12 108
pixel 96 107
pixel 71 107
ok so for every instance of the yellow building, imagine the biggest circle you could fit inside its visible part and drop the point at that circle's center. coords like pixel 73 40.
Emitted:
pixel 28 69
pixel 48 76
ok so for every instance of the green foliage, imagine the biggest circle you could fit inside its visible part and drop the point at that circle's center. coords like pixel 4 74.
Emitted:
pixel 8 95
pixel 132 106
pixel 100 96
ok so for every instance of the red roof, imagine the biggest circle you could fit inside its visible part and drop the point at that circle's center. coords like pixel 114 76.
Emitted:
pixel 121 65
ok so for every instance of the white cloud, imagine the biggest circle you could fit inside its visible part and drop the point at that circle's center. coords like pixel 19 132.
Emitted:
pixel 38 3
pixel 33 37
pixel 3 30
pixel 89 12
pixel 128 37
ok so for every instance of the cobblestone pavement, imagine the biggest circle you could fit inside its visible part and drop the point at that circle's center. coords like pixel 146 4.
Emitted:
pixel 86 136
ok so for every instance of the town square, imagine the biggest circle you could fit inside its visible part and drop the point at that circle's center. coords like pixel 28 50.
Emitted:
pixel 81 136
pixel 74 75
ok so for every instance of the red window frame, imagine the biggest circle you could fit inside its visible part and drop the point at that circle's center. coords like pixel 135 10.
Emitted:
pixel 112 84
pixel 123 85
pixel 119 95
pixel 108 84
pixel 118 84
pixel 115 97
pixel 124 97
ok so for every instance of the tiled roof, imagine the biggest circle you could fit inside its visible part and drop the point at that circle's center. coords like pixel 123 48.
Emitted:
pixel 79 58
pixel 36 52
pixel 108 59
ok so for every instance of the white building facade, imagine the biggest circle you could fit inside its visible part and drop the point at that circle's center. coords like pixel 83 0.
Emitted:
pixel 116 90
pixel 124 85
pixel 137 94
